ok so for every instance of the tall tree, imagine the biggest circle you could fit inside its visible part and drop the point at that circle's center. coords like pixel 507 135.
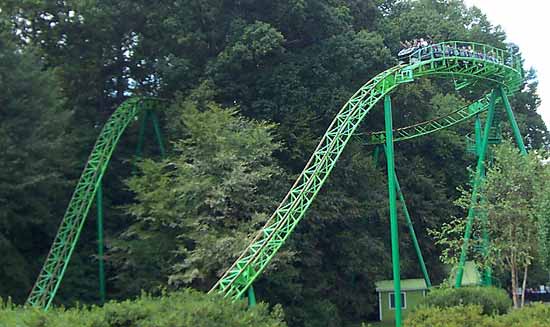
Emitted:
pixel 200 205
pixel 512 203
pixel 33 155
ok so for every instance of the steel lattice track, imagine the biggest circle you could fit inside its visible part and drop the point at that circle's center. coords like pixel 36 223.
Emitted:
pixel 69 230
pixel 240 276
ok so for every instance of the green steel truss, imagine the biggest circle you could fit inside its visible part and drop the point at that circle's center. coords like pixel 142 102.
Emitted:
pixel 493 68
pixel 49 279
pixel 431 126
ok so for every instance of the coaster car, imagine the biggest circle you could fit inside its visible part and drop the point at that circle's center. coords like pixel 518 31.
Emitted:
pixel 403 55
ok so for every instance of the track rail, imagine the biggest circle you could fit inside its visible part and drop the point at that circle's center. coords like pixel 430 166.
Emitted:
pixel 49 279
pixel 493 66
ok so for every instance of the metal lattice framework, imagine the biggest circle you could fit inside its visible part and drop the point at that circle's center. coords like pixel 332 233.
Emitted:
pixel 482 64
pixel 69 230
pixel 494 69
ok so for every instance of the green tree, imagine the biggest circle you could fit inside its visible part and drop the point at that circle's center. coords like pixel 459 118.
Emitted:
pixel 511 203
pixel 33 140
pixel 200 205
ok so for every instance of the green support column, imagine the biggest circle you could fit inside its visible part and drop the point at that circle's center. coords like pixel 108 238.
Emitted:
pixel 158 134
pixel 99 204
pixel 478 135
pixel 513 122
pixel 487 273
pixel 141 135
pixel 251 297
pixel 475 190
pixel 487 278
pixel 413 234
pixel 393 209
pixel 376 155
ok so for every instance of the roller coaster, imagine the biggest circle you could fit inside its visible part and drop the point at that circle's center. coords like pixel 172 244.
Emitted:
pixel 483 68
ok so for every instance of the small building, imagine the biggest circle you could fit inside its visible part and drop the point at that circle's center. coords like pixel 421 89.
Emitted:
pixel 412 292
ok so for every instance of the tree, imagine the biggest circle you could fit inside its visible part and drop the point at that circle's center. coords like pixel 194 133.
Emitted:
pixel 542 214
pixel 34 137
pixel 511 203
pixel 200 205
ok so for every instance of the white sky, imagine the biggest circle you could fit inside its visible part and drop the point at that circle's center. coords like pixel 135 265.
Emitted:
pixel 527 24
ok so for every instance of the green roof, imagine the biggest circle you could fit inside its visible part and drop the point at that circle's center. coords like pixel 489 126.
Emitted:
pixel 418 284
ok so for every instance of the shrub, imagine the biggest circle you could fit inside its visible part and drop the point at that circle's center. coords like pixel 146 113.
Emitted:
pixel 182 309
pixel 537 315
pixel 472 315
pixel 491 299
pixel 459 316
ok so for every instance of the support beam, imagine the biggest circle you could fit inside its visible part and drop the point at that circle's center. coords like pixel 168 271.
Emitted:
pixel 413 234
pixel 251 297
pixel 393 209
pixel 158 134
pixel 478 134
pixel 513 122
pixel 100 246
pixel 141 135
pixel 487 273
pixel 376 154
pixel 487 278
pixel 475 190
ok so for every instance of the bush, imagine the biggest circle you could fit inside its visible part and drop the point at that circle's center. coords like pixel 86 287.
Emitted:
pixel 183 309
pixel 491 299
pixel 459 316
pixel 472 315
pixel 537 315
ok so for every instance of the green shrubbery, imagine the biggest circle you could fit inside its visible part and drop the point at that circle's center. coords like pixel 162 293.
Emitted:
pixel 475 307
pixel 530 316
pixel 492 300
pixel 460 316
pixel 182 309
pixel 472 316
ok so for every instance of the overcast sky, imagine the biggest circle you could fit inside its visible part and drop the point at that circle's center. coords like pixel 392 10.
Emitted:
pixel 527 24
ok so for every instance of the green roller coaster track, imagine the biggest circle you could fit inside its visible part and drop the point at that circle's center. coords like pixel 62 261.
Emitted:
pixel 89 184
pixel 483 67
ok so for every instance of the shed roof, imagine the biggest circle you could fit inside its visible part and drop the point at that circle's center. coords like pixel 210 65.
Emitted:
pixel 418 284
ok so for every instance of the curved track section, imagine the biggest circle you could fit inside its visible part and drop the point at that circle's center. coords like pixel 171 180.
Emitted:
pixel 482 64
pixel 431 126
pixel 69 230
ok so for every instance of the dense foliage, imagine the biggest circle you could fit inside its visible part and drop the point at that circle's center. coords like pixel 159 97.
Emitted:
pixel 472 316
pixel 511 212
pixel 198 205
pixel 185 308
pixel 252 86
pixel 33 132
pixel 492 300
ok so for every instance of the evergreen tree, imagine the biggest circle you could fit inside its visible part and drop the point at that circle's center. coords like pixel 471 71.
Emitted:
pixel 33 156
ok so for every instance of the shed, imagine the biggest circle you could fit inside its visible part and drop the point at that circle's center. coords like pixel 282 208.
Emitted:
pixel 412 291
